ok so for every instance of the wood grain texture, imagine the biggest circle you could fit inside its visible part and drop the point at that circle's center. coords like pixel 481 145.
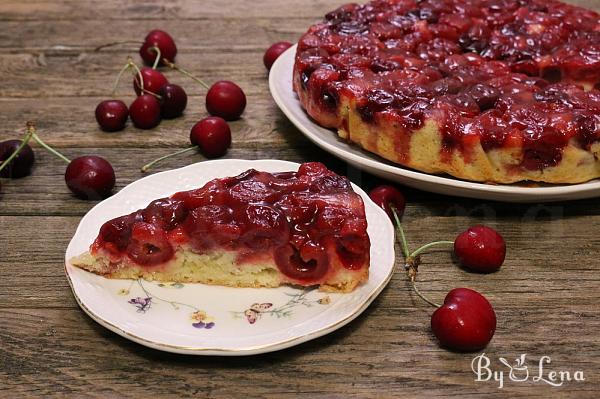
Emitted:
pixel 546 296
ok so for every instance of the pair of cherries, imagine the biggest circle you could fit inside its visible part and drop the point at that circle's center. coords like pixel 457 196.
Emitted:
pixel 466 320
pixel 157 98
pixel 88 177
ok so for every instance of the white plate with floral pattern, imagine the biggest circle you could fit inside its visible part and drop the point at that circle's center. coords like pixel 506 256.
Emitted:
pixel 212 320
pixel 280 83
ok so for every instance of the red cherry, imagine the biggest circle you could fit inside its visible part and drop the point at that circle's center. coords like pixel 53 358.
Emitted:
pixel 274 52
pixel 386 195
pixel 153 80
pixel 112 115
pixel 149 245
pixel 145 112
pixel 480 248
pixel 90 177
pixel 164 42
pixel 225 99
pixel 212 135
pixel 465 322
pixel 173 100
pixel 309 264
pixel 21 164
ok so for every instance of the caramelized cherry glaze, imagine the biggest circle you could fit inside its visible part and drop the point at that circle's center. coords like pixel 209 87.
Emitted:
pixel 506 72
pixel 303 220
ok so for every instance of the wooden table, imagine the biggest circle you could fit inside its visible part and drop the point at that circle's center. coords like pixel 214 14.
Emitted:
pixel 546 296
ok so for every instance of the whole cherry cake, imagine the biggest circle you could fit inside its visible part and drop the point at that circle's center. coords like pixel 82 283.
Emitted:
pixel 486 90
pixel 257 229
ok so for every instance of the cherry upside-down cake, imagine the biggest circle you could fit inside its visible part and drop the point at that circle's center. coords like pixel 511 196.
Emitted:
pixel 487 90
pixel 257 229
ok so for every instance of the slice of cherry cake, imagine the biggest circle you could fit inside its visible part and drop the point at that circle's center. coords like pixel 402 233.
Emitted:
pixel 257 229
pixel 488 90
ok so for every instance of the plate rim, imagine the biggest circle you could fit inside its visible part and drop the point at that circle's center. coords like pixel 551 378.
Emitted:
pixel 220 351
pixel 281 71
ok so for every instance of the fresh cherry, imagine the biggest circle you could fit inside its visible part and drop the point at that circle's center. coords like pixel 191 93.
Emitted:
pixel 274 52
pixel 173 100
pixel 164 42
pixel 465 322
pixel 145 111
pixel 225 99
pixel 153 80
pixel 386 196
pixel 480 248
pixel 21 164
pixel 90 177
pixel 212 135
pixel 112 115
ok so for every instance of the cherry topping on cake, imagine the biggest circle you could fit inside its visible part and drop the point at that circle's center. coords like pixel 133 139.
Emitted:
pixel 480 248
pixel 149 245
pixel 465 322
pixel 309 264
pixel 112 115
pixel 226 100
pixel 164 42
pixel 264 227
pixel 166 213
pixel 114 235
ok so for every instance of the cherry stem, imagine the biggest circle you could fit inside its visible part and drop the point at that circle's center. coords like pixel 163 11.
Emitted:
pixel 400 231
pixel 186 73
pixel 412 261
pixel 117 43
pixel 157 59
pixel 151 164
pixel 26 138
pixel 427 246
pixel 423 297
pixel 118 79
pixel 52 150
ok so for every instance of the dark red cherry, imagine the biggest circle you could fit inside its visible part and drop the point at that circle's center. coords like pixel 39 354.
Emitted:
pixel 173 100
pixel 149 245
pixel 21 164
pixel 212 135
pixel 164 42
pixel 165 213
pixel 225 99
pixel 274 52
pixel 112 115
pixel 153 80
pixel 385 196
pixel 308 265
pixel 114 234
pixel 465 322
pixel 90 177
pixel 145 112
pixel 480 248
pixel 264 227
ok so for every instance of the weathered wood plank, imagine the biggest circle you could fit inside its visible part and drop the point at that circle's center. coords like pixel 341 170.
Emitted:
pixel 360 360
